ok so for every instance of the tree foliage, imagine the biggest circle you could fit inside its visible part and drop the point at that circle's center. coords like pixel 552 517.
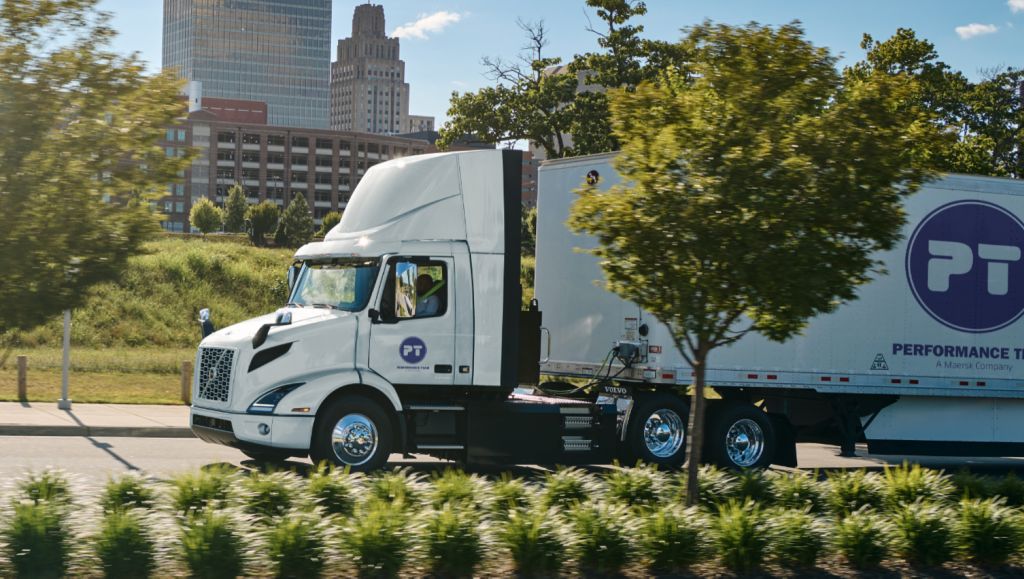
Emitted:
pixel 757 190
pixel 205 216
pixel 331 219
pixel 296 225
pixel 261 219
pixel 234 210
pixel 79 157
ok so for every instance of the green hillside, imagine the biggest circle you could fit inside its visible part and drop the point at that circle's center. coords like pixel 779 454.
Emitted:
pixel 157 300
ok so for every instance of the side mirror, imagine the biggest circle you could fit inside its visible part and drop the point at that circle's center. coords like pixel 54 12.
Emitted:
pixel 205 325
pixel 374 316
pixel 293 275
pixel 405 290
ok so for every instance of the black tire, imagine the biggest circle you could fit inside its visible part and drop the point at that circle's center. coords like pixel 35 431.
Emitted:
pixel 740 426
pixel 651 410
pixel 359 407
pixel 267 455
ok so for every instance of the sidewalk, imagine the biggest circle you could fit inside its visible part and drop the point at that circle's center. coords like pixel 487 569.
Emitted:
pixel 138 420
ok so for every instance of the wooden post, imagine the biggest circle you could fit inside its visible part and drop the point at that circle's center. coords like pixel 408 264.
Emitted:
pixel 186 382
pixel 23 378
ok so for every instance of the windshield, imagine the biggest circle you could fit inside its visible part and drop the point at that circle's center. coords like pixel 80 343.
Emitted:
pixel 338 284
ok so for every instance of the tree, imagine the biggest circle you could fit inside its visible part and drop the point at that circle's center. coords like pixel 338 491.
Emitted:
pixel 329 221
pixel 205 216
pixel 296 225
pixel 260 219
pixel 234 210
pixel 528 230
pixel 756 191
pixel 79 156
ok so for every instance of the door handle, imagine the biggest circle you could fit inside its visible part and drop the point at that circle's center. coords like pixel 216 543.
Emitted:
pixel 442 369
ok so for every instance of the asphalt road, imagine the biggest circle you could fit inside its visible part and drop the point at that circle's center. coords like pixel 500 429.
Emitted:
pixel 93 460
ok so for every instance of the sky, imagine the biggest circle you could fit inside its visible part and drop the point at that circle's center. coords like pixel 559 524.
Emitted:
pixel 443 41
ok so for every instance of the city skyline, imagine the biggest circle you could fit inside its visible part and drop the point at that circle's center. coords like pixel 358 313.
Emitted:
pixel 445 40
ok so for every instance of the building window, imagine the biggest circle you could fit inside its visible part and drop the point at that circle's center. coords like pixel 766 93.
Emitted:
pixel 225 137
pixel 275 140
pixel 251 139
pixel 275 157
pixel 344 146
pixel 323 161
pixel 299 160
pixel 300 141
pixel 275 176
pixel 225 173
pixel 323 178
pixel 324 144
pixel 225 154
pixel 250 156
pixel 298 176
pixel 250 174
pixel 181 134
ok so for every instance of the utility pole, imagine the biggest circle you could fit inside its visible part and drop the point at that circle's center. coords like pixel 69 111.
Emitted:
pixel 65 403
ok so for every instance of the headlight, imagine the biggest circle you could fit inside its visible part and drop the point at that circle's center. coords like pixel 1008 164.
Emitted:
pixel 268 402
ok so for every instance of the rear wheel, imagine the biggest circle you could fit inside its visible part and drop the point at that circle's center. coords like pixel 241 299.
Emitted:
pixel 741 436
pixel 656 433
pixel 353 431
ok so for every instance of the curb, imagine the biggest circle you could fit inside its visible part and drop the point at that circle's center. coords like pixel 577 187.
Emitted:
pixel 101 431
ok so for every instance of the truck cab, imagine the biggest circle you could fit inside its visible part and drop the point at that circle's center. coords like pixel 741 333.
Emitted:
pixel 405 332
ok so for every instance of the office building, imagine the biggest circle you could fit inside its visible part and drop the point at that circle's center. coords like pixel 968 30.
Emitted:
pixel 272 51
pixel 270 162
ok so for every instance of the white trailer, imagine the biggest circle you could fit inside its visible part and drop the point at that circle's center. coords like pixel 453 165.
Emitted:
pixel 928 360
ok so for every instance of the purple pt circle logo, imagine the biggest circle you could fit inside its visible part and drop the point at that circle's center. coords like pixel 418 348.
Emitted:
pixel 964 266
pixel 412 350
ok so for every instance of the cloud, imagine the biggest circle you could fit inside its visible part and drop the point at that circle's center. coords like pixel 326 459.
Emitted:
pixel 969 31
pixel 427 24
pixel 1015 5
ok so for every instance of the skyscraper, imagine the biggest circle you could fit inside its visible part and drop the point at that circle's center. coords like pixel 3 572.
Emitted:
pixel 274 51
pixel 368 88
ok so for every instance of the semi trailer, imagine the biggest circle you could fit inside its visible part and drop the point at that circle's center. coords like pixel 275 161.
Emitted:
pixel 405 332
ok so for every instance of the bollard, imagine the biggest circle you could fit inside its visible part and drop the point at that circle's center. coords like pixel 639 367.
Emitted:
pixel 186 382
pixel 23 378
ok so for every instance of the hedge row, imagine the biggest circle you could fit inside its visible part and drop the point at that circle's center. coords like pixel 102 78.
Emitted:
pixel 222 523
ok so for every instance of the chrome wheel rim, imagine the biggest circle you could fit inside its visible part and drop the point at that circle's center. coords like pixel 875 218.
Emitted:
pixel 744 442
pixel 354 439
pixel 664 433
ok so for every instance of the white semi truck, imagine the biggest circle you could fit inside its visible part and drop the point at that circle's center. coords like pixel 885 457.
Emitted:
pixel 405 333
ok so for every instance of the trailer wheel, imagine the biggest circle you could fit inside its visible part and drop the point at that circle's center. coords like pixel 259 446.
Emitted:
pixel 741 436
pixel 353 431
pixel 656 433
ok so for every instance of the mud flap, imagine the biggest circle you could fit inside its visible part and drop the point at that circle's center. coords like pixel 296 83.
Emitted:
pixel 785 441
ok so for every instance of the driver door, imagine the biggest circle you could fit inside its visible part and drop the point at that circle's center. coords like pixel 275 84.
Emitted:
pixel 413 341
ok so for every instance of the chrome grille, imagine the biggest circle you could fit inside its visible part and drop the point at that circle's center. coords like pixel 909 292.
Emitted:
pixel 215 365
pixel 578 422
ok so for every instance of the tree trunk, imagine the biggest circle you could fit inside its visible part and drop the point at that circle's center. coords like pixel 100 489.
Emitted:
pixel 695 438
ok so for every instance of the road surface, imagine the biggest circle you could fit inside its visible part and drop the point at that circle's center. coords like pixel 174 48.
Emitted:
pixel 93 460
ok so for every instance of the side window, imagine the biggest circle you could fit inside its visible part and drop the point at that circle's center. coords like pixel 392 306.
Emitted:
pixel 414 288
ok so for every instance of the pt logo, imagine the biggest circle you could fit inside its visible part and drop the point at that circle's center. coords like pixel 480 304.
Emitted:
pixel 964 266
pixel 412 350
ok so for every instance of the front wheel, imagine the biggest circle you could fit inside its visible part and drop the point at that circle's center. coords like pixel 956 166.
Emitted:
pixel 355 432
pixel 656 433
pixel 741 436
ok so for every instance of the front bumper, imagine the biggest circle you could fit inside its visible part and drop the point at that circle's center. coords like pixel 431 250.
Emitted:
pixel 243 430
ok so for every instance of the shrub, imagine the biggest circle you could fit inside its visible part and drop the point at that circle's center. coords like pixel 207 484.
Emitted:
pixel 334 490
pixel 261 219
pixel 296 225
pixel 862 538
pixel 797 538
pixel 799 491
pixel 849 491
pixel 907 483
pixel 715 486
pixel 268 495
pixel 535 541
pixel 1011 488
pixel 452 539
pixel 124 547
pixel 36 539
pixel 922 534
pixel 740 536
pixel 987 532
pixel 49 486
pixel 671 538
pixel 211 546
pixel 641 486
pixel 456 487
pixel 400 487
pixel 971 486
pixel 377 537
pixel 602 534
pixel 753 485
pixel 508 493
pixel 126 492
pixel 205 216
pixel 195 491
pixel 296 547
pixel 567 487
